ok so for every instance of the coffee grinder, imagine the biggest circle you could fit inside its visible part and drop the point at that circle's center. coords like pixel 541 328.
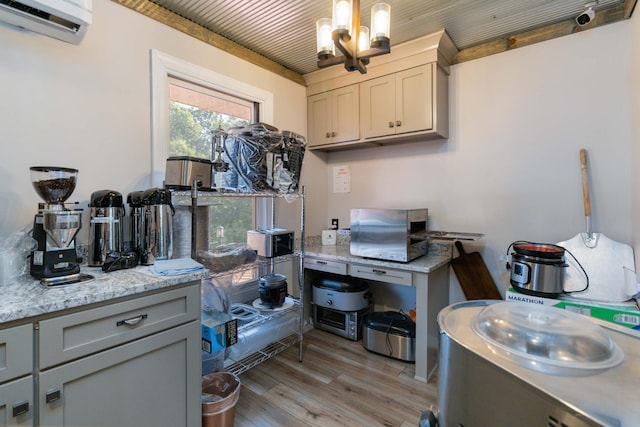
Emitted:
pixel 55 226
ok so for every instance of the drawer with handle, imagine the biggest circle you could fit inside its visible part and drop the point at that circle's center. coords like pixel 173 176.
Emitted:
pixel 336 267
pixel 381 274
pixel 75 335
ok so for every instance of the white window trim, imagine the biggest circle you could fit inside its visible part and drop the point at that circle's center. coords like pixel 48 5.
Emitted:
pixel 163 66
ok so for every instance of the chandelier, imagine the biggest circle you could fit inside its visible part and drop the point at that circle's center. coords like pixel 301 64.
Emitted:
pixel 355 43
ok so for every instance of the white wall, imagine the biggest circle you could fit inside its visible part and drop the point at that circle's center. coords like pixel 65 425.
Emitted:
pixel 635 132
pixel 510 168
pixel 88 106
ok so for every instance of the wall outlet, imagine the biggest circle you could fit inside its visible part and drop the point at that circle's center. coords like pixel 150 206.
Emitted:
pixel 334 223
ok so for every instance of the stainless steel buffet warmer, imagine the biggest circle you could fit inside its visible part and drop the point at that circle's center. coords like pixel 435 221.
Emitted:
pixel 520 364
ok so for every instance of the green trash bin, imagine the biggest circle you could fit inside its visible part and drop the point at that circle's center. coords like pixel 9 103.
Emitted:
pixel 220 392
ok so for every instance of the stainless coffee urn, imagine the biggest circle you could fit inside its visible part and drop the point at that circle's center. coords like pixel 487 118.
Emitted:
pixel 106 226
pixel 136 220
pixel 157 241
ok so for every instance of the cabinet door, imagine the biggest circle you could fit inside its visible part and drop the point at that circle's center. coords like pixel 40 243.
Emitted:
pixel 319 119
pixel 154 381
pixel 16 404
pixel 16 352
pixel 414 100
pixel 345 114
pixel 377 99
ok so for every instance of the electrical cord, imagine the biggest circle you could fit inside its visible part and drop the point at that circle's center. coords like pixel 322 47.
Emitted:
pixel 390 314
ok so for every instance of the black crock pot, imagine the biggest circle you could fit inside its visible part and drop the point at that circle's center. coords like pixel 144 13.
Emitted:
pixel 273 290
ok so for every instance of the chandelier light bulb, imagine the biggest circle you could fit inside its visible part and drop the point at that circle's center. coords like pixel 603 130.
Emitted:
pixel 380 20
pixel 325 47
pixel 342 10
pixel 363 39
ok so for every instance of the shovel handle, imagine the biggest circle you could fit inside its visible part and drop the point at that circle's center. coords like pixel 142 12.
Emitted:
pixel 585 189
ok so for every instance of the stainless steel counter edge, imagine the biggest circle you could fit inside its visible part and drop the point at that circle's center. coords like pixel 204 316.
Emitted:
pixel 26 297
pixel 439 254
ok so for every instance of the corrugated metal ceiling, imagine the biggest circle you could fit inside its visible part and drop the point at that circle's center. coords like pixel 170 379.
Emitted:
pixel 284 30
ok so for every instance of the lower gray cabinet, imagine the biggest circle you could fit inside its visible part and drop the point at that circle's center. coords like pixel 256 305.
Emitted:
pixel 16 402
pixel 16 379
pixel 152 381
pixel 131 363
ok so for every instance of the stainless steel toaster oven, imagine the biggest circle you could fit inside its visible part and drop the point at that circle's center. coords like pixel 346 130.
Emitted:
pixel 389 234
pixel 271 242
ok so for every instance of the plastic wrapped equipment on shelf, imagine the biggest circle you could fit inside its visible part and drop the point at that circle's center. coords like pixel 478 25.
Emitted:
pixel 253 338
pixel 226 257
pixel 262 159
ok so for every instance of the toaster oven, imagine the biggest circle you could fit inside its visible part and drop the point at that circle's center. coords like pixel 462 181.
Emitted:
pixel 389 234
pixel 182 171
pixel 272 242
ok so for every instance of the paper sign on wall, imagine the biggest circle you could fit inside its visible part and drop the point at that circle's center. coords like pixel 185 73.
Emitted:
pixel 341 179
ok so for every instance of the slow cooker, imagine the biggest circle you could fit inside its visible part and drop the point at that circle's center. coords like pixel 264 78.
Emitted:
pixel 520 364
pixel 537 268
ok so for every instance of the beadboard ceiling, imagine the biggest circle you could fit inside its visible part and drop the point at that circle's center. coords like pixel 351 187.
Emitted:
pixel 283 31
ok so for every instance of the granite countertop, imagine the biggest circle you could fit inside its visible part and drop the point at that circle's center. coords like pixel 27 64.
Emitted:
pixel 25 297
pixel 439 254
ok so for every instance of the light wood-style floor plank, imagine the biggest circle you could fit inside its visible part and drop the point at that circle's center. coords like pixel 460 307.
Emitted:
pixel 339 383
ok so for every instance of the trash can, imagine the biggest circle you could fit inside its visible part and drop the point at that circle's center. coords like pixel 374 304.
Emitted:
pixel 220 392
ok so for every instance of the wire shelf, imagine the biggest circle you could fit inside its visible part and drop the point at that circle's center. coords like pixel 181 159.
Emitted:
pixel 263 354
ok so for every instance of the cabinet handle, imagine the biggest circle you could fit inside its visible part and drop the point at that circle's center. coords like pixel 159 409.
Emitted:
pixel 132 321
pixel 333 134
pixel 378 271
pixel 390 124
pixel 20 408
pixel 321 262
pixel 52 396
pixel 328 135
pixel 398 123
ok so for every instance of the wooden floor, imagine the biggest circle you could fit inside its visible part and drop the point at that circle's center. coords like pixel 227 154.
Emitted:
pixel 339 383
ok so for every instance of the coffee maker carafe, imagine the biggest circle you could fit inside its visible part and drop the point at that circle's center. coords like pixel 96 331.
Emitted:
pixel 136 220
pixel 55 261
pixel 157 241
pixel 106 231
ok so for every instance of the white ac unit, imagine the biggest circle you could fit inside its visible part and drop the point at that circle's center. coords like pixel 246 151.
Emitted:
pixel 66 20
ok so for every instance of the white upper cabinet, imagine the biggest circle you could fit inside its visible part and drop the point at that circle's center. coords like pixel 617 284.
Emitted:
pixel 403 97
pixel 398 103
pixel 333 116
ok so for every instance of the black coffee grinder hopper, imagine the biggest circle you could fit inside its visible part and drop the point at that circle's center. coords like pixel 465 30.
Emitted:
pixel 55 261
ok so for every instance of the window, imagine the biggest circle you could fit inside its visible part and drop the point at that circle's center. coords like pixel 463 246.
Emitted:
pixel 195 112
pixel 188 103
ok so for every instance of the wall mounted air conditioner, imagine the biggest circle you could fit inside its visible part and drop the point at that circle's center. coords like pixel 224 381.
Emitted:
pixel 66 20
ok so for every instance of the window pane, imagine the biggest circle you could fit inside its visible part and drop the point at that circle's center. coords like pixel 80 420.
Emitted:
pixel 195 111
pixel 230 220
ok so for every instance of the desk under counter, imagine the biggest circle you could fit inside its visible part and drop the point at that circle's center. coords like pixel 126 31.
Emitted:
pixel 429 275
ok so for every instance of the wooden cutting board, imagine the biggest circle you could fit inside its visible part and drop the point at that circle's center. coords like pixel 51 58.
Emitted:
pixel 474 277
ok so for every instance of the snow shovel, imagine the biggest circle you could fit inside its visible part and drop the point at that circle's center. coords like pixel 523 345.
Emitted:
pixel 604 260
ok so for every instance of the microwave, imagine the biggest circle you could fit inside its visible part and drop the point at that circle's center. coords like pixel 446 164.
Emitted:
pixel 272 242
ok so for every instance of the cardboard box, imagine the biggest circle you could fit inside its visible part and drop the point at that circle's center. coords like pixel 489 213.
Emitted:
pixel 219 331
pixel 625 314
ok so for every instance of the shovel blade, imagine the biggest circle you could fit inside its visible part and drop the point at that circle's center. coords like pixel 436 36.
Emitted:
pixel 605 265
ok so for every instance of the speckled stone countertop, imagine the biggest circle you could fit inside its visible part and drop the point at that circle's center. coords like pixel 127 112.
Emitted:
pixel 25 297
pixel 439 254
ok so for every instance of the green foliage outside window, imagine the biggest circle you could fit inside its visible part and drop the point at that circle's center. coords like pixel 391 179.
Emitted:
pixel 191 135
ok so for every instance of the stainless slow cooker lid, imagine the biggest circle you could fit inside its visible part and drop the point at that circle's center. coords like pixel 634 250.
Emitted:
pixel 546 339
